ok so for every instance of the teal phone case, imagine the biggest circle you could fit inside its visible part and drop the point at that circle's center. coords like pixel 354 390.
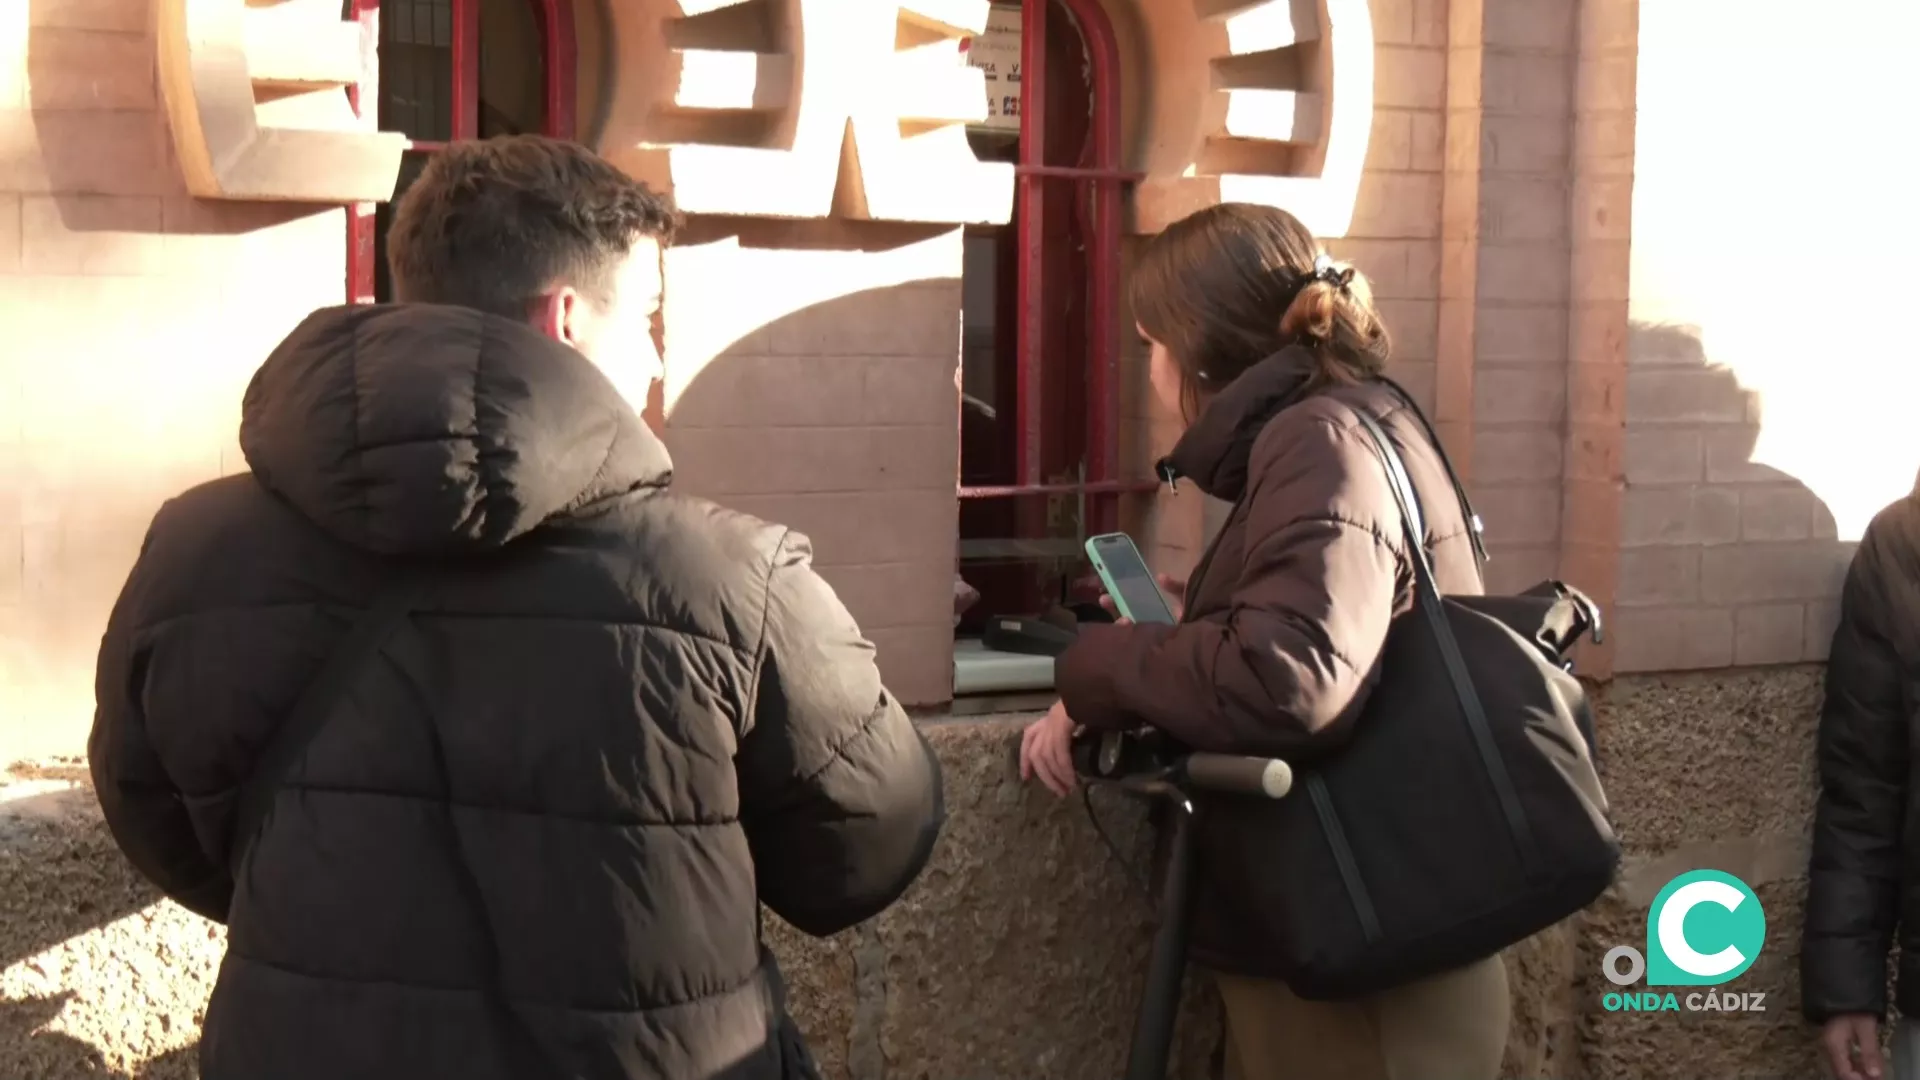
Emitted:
pixel 1093 547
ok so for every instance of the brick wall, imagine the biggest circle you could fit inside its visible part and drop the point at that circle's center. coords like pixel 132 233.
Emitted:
pixel 811 381
pixel 1505 272
pixel 1600 220
pixel 1494 221
pixel 1723 561
pixel 134 316
pixel 1395 235
pixel 812 365
pixel 1767 416
pixel 1394 239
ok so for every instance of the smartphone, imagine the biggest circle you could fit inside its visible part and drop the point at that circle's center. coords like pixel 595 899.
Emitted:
pixel 1136 595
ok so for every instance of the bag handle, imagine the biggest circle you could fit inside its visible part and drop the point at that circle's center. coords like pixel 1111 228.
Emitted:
pixel 1427 598
pixel 310 714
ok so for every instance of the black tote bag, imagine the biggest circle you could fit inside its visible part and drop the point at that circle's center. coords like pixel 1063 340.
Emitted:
pixel 1463 813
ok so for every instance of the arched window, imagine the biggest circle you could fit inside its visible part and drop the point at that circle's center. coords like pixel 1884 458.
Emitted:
pixel 1040 467
pixel 456 69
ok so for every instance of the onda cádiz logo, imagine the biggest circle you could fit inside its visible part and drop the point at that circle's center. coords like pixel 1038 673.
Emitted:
pixel 1705 928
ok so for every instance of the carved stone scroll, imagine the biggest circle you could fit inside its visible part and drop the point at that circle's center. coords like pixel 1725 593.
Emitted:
pixel 805 108
pixel 253 89
pixel 1281 116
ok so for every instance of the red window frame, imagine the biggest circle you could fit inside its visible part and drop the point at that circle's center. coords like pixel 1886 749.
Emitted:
pixel 560 67
pixel 1064 418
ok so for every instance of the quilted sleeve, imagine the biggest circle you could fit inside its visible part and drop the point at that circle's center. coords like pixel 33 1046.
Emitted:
pixel 840 794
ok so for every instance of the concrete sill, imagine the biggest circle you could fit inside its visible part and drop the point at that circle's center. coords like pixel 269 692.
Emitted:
pixel 980 670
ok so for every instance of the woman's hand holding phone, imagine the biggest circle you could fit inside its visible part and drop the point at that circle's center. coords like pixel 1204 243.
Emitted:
pixel 1175 590
pixel 1046 747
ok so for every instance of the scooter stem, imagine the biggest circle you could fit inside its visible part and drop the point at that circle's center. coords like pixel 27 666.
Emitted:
pixel 1166 970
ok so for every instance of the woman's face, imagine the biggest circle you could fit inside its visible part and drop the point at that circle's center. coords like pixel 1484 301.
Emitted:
pixel 1162 373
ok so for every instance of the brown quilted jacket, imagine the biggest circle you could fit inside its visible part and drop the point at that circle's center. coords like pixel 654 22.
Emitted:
pixel 1288 611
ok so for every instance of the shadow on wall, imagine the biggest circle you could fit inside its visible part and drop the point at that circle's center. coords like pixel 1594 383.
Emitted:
pixel 103 130
pixel 808 336
pixel 830 404
pixel 1723 561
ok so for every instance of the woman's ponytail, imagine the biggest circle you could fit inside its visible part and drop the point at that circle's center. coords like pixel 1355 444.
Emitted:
pixel 1309 318
pixel 1332 314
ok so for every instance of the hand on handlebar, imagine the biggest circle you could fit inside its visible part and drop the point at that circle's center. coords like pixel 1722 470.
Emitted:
pixel 1046 751
pixel 1146 762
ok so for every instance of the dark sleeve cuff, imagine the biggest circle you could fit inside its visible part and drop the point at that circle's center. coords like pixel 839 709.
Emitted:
pixel 1845 944
pixel 859 910
pixel 1088 675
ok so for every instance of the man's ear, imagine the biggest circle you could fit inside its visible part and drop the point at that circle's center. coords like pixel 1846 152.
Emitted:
pixel 558 315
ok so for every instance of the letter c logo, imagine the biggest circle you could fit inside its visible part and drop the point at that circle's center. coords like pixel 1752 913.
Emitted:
pixel 1672 928
pixel 1726 918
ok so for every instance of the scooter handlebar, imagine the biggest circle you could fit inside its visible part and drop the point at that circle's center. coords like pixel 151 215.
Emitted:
pixel 1233 774
pixel 1145 761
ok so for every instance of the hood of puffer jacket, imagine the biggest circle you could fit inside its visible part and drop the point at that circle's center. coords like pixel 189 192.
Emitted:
pixel 421 429
pixel 1214 451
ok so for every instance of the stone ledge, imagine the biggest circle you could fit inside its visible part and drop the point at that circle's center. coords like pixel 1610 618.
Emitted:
pixel 1019 953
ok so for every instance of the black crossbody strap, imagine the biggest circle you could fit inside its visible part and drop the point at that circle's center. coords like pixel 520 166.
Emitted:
pixel 1427 598
pixel 527 1056
pixel 1467 511
pixel 361 645
pixel 316 706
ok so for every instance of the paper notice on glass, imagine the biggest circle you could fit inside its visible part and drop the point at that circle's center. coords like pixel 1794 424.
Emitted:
pixel 997 54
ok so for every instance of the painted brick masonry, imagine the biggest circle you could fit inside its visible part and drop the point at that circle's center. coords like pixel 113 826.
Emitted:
pixel 134 317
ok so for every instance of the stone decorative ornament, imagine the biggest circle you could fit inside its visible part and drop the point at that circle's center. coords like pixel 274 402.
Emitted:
pixel 1261 102
pixel 805 108
pixel 254 91
pixel 808 108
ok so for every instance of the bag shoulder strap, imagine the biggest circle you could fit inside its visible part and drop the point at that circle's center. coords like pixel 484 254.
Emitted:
pixel 358 648
pixel 1427 598
pixel 1475 529
pixel 310 714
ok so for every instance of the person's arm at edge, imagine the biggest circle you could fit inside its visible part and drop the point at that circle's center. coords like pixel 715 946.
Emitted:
pixel 144 810
pixel 840 793
pixel 1857 857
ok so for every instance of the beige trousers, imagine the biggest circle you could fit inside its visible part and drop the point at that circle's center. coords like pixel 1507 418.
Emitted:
pixel 1449 1027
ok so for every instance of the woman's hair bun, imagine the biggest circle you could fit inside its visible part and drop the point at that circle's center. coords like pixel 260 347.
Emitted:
pixel 1310 316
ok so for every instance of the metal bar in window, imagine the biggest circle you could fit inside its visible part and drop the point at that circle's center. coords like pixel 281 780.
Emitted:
pixel 1091 487
pixel 1031 316
pixel 1070 173
pixel 561 63
pixel 1008 550
pixel 466 70
pixel 364 98
pixel 1103 257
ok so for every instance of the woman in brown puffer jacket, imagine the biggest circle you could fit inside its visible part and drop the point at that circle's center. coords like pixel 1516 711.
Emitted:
pixel 1270 350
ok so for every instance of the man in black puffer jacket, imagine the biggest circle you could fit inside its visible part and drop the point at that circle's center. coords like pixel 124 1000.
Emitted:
pixel 533 839
pixel 1865 874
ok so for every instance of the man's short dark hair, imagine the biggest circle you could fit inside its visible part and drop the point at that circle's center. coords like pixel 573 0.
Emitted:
pixel 494 224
